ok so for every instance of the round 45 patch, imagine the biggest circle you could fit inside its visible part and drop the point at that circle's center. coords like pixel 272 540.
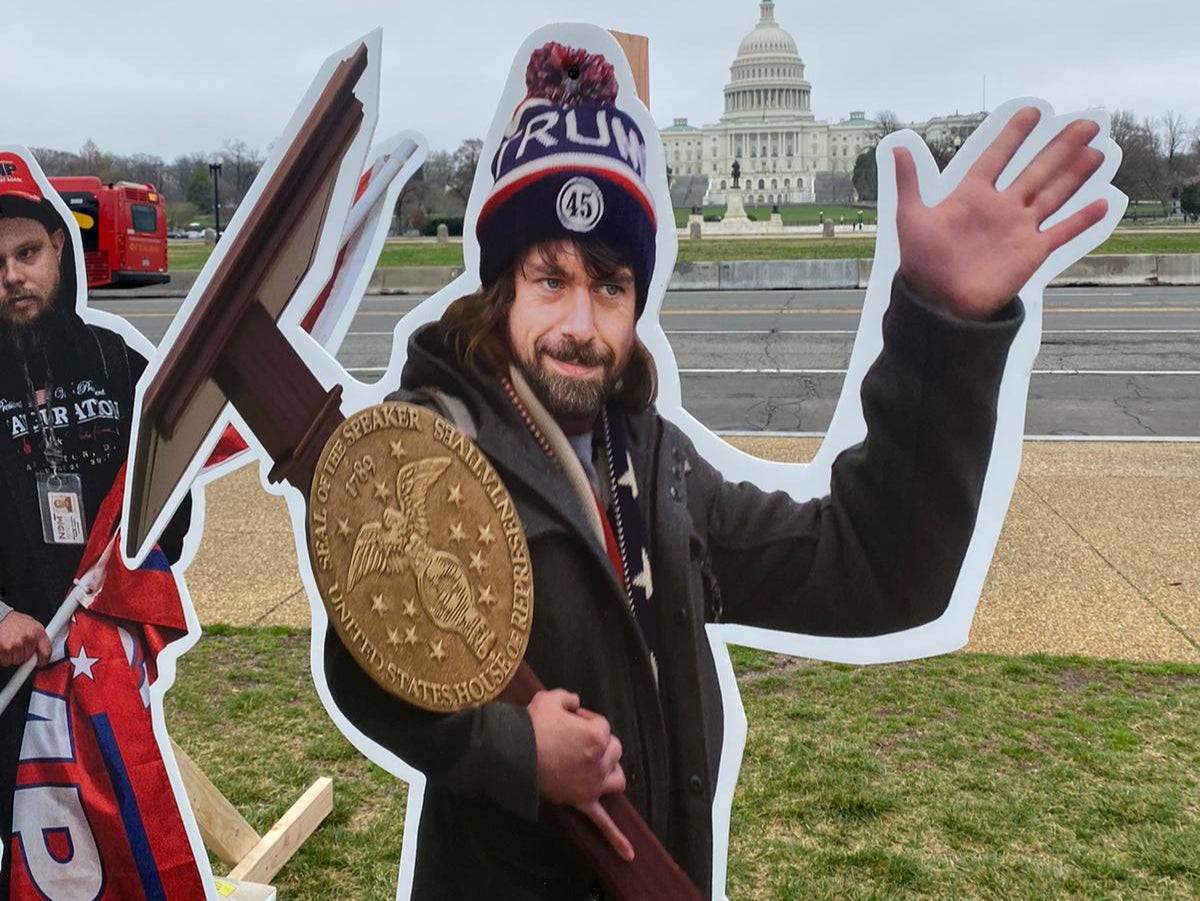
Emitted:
pixel 580 204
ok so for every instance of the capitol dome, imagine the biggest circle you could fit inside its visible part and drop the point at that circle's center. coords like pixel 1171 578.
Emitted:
pixel 767 37
pixel 767 76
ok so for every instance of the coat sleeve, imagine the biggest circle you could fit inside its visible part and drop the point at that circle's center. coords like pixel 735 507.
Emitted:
pixel 882 551
pixel 481 752
pixel 170 542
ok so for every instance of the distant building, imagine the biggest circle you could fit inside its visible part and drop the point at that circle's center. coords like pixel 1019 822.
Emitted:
pixel 786 155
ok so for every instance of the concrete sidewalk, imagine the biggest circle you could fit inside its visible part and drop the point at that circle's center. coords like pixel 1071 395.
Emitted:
pixel 1099 555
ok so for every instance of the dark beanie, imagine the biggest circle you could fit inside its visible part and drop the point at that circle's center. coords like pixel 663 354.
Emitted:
pixel 571 165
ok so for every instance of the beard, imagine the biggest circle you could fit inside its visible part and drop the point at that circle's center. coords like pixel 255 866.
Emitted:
pixel 34 336
pixel 564 396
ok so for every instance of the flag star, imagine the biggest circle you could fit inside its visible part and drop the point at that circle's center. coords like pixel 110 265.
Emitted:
pixel 343 527
pixel 398 450
pixel 455 496
pixel 378 606
pixel 477 563
pixel 410 635
pixel 382 492
pixel 486 597
pixel 393 636
pixel 643 579
pixel 82 664
pixel 436 651
pixel 628 479
pixel 457 533
pixel 410 608
pixel 485 534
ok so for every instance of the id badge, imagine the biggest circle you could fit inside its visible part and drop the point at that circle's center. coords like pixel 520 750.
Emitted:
pixel 60 495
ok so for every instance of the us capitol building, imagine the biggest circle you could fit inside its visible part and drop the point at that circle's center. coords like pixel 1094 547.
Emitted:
pixel 786 155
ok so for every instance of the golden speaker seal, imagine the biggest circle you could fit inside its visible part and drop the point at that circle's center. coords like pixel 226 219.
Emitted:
pixel 420 558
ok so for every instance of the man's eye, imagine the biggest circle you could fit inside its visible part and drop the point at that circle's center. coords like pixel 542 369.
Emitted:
pixel 552 283
pixel 613 290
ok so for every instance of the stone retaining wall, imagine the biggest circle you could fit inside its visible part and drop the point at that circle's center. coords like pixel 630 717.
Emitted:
pixel 762 275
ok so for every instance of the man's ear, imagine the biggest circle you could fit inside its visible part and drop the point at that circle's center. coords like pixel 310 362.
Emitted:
pixel 58 238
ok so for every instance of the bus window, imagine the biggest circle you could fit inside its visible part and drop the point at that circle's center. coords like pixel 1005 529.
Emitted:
pixel 145 218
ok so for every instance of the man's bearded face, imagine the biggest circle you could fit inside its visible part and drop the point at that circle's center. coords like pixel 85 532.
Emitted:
pixel 572 334
pixel 29 269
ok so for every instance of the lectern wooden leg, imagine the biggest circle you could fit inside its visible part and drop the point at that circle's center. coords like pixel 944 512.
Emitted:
pixel 227 834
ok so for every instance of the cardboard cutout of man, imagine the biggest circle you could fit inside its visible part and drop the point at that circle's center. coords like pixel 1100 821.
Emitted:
pixel 637 541
pixel 66 397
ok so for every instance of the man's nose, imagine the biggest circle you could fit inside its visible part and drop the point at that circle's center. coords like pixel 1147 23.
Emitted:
pixel 579 322
pixel 10 273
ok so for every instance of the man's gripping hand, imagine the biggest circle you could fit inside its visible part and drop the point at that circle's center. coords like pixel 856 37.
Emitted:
pixel 21 637
pixel 972 253
pixel 578 759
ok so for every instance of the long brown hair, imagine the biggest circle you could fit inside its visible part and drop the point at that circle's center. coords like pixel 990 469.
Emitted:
pixel 475 327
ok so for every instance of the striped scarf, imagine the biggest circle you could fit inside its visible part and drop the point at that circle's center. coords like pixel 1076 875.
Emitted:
pixel 618 528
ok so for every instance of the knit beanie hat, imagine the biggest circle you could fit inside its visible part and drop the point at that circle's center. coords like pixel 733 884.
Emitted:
pixel 571 165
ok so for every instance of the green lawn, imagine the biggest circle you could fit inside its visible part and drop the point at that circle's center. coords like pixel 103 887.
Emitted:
pixel 797 214
pixel 400 253
pixel 964 777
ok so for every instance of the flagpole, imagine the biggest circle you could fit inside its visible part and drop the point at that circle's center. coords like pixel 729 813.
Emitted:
pixel 80 595
pixel 376 188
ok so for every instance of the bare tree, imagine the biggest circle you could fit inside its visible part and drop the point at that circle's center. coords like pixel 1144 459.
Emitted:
pixel 462 168
pixel 178 174
pixel 1138 176
pixel 886 122
pixel 240 165
pixel 56 162
pixel 866 174
pixel 142 168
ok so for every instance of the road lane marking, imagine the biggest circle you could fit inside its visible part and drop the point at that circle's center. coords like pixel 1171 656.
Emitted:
pixel 1185 373
pixel 814 311
pixel 1124 439
pixel 850 331
pixel 1107 372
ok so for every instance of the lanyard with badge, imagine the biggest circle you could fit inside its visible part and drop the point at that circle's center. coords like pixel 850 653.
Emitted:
pixel 60 493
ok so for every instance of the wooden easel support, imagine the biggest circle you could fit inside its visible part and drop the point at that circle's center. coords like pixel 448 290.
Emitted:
pixel 252 858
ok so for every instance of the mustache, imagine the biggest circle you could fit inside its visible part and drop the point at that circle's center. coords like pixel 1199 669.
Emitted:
pixel 571 351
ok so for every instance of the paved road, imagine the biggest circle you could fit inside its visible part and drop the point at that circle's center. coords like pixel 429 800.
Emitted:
pixel 1114 362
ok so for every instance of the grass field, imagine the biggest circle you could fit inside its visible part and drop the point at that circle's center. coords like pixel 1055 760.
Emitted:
pixel 965 777
pixel 798 214
pixel 398 253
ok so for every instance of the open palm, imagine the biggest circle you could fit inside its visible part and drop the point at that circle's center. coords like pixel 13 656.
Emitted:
pixel 974 251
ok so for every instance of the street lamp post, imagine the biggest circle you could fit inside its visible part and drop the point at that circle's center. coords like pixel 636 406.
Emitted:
pixel 214 169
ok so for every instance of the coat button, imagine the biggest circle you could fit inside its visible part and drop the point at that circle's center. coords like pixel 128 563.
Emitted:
pixel 597 892
pixel 674 492
pixel 631 777
pixel 696 784
pixel 681 616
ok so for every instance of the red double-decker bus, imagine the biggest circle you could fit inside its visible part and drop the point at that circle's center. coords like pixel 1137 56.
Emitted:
pixel 124 228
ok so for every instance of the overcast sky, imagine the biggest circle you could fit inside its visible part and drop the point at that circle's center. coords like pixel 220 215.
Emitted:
pixel 171 78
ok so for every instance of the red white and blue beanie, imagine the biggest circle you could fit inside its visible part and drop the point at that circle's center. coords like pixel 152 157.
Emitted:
pixel 570 165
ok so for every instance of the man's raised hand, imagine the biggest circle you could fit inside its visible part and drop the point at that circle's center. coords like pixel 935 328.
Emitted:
pixel 972 252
